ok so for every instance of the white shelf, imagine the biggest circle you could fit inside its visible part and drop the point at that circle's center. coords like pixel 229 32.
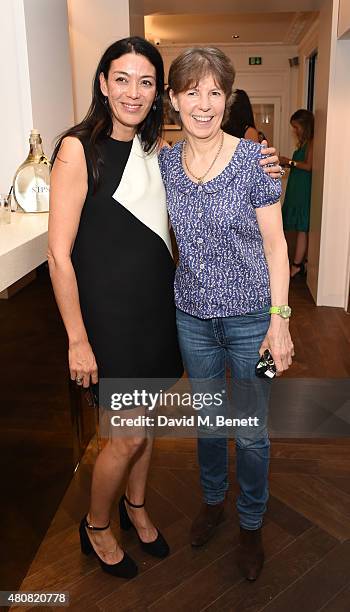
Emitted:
pixel 23 246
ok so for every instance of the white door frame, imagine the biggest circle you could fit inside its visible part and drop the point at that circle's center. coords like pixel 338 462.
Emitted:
pixel 276 102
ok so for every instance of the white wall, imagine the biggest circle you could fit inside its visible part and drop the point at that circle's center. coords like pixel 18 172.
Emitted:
pixel 93 26
pixel 306 47
pixel 320 141
pixel 35 77
pixel 273 78
pixel 335 230
pixel 329 238
pixel 49 67
pixel 15 104
pixel 344 19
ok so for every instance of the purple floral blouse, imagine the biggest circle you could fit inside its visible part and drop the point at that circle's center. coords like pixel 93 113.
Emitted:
pixel 222 268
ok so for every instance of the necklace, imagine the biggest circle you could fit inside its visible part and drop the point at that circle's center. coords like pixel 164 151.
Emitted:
pixel 200 179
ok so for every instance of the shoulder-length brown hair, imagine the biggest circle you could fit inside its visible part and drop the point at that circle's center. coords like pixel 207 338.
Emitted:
pixel 195 63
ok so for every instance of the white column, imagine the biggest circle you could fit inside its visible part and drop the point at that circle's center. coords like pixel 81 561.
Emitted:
pixel 344 19
pixel 93 26
pixel 329 248
pixel 137 17
pixel 35 76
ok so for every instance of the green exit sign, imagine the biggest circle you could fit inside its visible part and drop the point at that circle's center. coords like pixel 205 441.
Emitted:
pixel 255 61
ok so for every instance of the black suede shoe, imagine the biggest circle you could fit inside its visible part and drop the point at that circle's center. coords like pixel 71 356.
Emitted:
pixel 159 547
pixel 126 568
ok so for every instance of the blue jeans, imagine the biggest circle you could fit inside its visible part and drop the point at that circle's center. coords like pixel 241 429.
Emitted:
pixel 208 346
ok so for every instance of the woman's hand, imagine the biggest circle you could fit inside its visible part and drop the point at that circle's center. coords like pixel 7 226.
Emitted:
pixel 82 363
pixel 279 343
pixel 275 170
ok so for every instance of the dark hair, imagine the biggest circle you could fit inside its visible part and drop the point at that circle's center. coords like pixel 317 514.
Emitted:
pixel 194 63
pixel 241 115
pixel 97 124
pixel 305 118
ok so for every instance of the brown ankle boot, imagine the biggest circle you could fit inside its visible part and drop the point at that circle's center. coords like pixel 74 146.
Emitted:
pixel 250 553
pixel 205 523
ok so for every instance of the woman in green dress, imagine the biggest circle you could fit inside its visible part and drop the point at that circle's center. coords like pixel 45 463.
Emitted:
pixel 296 207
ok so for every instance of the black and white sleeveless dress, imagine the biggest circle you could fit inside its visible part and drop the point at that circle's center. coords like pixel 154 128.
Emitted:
pixel 124 267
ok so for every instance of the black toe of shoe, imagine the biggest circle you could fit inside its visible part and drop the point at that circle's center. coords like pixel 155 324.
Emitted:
pixel 126 568
pixel 158 548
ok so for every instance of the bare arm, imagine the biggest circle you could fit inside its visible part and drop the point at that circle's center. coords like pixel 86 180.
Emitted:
pixel 68 189
pixel 305 165
pixel 277 339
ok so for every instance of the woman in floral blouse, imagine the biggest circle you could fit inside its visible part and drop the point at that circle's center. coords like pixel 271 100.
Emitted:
pixel 233 266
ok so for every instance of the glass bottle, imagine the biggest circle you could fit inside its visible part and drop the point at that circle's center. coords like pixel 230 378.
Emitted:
pixel 31 185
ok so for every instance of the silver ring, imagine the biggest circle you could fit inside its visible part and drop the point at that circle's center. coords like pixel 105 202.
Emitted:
pixel 282 171
pixel 78 381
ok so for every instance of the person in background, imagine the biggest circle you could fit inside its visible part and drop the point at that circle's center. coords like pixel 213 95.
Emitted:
pixel 296 207
pixel 240 122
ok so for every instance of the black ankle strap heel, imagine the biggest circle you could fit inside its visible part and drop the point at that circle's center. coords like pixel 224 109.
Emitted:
pixel 159 547
pixel 133 505
pixel 126 568
pixel 92 527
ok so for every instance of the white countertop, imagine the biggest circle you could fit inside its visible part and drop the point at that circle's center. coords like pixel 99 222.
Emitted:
pixel 23 246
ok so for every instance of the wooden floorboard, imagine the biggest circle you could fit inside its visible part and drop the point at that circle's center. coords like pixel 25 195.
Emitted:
pixel 340 602
pixel 171 572
pixel 207 584
pixel 280 571
pixel 325 505
pixel 298 546
pixel 286 517
pixel 321 583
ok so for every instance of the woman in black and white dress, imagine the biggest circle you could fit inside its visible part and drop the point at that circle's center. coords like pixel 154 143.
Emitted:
pixel 112 271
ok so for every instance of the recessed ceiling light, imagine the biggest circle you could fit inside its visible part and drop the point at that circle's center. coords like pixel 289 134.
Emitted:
pixel 235 36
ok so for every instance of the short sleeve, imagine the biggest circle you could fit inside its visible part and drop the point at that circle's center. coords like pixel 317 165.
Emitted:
pixel 163 160
pixel 265 190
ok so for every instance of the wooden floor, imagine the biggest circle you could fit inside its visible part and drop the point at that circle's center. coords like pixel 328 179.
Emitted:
pixel 306 531
pixel 306 534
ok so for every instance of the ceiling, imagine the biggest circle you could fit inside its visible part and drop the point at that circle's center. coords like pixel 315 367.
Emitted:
pixel 183 7
pixel 253 27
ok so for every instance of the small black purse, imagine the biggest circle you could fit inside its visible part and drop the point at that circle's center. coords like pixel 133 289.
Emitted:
pixel 265 367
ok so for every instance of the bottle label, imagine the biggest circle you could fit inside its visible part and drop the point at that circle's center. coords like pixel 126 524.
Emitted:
pixel 32 187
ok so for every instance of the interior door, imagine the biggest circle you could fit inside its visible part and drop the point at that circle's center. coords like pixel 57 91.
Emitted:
pixel 267 115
